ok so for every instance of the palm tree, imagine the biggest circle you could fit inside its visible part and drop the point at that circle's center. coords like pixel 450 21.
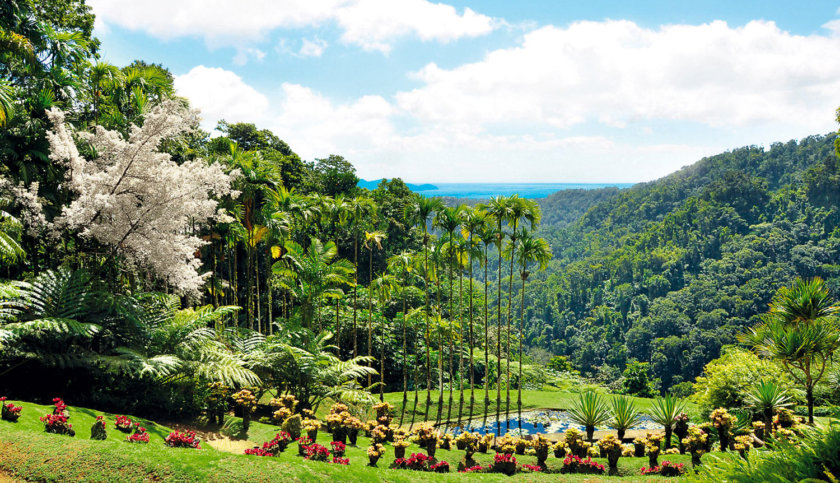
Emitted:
pixel 448 220
pixel 530 250
pixel 359 207
pixel 312 274
pixel 403 264
pixel 373 240
pixel 664 411
pixel 473 221
pixel 499 209
pixel 384 286
pixel 589 410
pixel 801 332
pixel 624 414
pixel 487 234
pixel 768 396
pixel 337 210
pixel 519 209
pixel 418 213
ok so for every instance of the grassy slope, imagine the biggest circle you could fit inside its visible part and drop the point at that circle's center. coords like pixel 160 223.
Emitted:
pixel 27 452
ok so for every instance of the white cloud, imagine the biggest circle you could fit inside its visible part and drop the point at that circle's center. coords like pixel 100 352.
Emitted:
pixel 312 48
pixel 593 101
pixel 371 24
pixel 616 73
pixel 243 54
pixel 220 94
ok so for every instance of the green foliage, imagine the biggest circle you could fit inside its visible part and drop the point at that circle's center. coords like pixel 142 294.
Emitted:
pixel 624 414
pixel 589 410
pixel 811 458
pixel 636 380
pixel 560 364
pixel 728 380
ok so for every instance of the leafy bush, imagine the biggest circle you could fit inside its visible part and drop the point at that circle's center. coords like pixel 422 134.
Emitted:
pixel 636 381
pixel 9 412
pixel 728 379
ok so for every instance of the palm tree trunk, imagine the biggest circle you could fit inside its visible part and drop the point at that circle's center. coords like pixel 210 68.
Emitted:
pixel 405 363
pixel 461 342
pixel 257 284
pixel 451 320
pixel 472 341
pixel 509 316
pixel 440 355
pixel 382 360
pixel 370 311
pixel 338 327
pixel 486 341
pixel 355 291
pixel 499 343
pixel 269 303
pixel 521 335
pixel 428 327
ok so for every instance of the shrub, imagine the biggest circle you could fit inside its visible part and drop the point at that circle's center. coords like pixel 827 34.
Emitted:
pixel 57 424
pixel 341 461
pixel 532 468
pixel 257 452
pixel 440 467
pixel 9 412
pixel 338 448
pixel 140 437
pixel 97 431
pixel 187 439
pixel 60 408
pixel 636 381
pixel 574 464
pixel 278 444
pixel 123 423
pixel 472 469
pixel 504 463
pixel 665 469
pixel 589 410
pixel 316 452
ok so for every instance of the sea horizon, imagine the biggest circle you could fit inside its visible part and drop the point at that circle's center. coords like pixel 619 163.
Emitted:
pixel 524 190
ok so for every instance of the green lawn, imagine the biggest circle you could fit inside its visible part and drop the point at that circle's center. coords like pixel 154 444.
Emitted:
pixel 27 452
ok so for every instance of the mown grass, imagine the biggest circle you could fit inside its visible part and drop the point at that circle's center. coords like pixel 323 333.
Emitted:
pixel 29 453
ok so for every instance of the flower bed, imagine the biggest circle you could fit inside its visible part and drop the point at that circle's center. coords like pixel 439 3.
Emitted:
pixel 665 469
pixel 187 439
pixel 574 464
pixel 123 423
pixel 440 467
pixel 10 412
pixel 57 424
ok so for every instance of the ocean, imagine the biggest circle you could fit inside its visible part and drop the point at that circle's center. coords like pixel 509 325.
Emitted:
pixel 525 190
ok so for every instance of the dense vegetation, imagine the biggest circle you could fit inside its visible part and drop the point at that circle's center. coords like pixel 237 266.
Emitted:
pixel 145 263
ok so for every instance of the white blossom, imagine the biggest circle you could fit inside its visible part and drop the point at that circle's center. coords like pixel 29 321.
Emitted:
pixel 31 210
pixel 135 199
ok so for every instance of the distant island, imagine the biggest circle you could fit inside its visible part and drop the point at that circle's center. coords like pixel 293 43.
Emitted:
pixel 371 185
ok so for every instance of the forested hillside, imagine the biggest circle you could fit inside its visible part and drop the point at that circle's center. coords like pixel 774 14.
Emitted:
pixel 669 271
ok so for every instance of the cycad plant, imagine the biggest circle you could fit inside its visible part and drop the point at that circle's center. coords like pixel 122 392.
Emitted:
pixel 624 414
pixel 664 411
pixel 590 410
pixel 767 397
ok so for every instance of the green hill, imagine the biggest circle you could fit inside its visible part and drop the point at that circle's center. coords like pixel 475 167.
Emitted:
pixel 668 271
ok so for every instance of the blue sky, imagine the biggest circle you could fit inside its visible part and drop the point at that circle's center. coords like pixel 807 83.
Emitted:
pixel 546 91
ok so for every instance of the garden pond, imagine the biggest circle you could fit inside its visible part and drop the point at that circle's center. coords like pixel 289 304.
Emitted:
pixel 544 421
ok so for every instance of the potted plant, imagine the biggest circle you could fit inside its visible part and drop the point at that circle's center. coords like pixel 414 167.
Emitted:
pixel 681 430
pixel 440 467
pixel 559 449
pixel 311 426
pixel 484 443
pixel 427 438
pixel 374 452
pixel 611 445
pixel 217 402
pixel 338 448
pixel 504 463
pixel 303 443
pixel 723 422
pixel 446 442
pixel 541 445
pixel 399 448
pixel 653 447
pixel 247 402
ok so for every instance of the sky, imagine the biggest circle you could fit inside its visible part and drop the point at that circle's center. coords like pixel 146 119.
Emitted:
pixel 496 91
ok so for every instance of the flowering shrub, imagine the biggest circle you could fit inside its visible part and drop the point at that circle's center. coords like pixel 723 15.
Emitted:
pixel 60 408
pixel 139 437
pixel 418 461
pixel 665 469
pixel 506 444
pixel 310 425
pixel 258 452
pixel 465 439
pixel 574 464
pixel 97 431
pixel 484 443
pixel 9 411
pixel 440 467
pixel 123 423
pixel 374 452
pixel 383 413
pixel 503 463
pixel 316 452
pixel 217 401
pixel 57 424
pixel 187 439
pixel 303 443
pixel 532 468
pixel 338 448
pixel 277 444
pixel 427 436
pixel 341 461
pixel 472 469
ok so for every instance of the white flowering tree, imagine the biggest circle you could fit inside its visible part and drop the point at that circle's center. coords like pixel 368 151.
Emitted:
pixel 135 199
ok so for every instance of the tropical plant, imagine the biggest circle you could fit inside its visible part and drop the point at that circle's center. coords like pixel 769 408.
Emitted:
pixel 800 331
pixel 665 411
pixel 589 410
pixel 624 414
pixel 767 397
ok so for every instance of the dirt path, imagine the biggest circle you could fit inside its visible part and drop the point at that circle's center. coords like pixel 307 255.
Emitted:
pixel 212 437
pixel 7 478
